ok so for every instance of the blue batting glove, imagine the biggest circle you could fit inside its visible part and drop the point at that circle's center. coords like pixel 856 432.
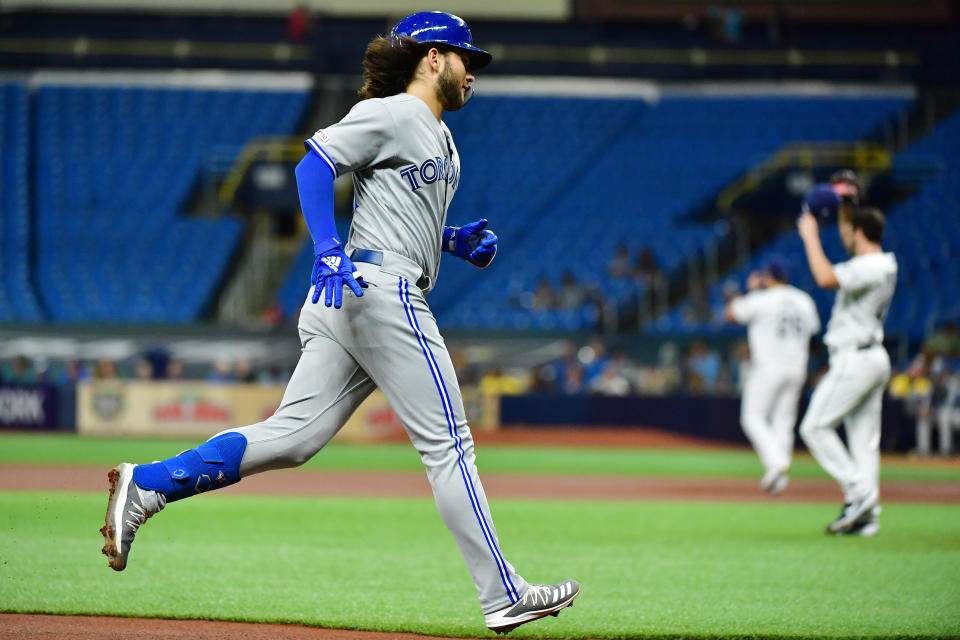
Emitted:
pixel 331 270
pixel 472 242
pixel 822 201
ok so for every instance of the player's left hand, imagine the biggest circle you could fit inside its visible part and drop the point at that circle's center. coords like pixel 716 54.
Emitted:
pixel 472 242
pixel 807 226
pixel 331 270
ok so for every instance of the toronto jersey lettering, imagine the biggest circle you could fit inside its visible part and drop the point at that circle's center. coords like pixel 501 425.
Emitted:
pixel 405 172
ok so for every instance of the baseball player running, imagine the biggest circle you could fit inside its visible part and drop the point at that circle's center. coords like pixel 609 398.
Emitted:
pixel 373 329
pixel 780 320
pixel 852 390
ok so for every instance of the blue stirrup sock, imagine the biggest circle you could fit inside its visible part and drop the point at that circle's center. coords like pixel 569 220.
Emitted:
pixel 212 465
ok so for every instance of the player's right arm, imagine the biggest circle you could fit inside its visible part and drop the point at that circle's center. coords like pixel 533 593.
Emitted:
pixel 364 137
pixel 331 267
pixel 741 309
pixel 820 265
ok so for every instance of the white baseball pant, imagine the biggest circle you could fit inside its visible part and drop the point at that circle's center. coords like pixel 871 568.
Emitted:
pixel 851 392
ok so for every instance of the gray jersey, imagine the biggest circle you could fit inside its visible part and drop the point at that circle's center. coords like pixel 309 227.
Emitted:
pixel 405 172
pixel 866 287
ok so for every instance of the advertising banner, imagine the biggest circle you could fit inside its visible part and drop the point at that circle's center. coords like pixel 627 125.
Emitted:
pixel 28 407
pixel 200 409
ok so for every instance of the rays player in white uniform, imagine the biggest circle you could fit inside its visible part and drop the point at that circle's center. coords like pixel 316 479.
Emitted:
pixel 852 390
pixel 780 320
pixel 380 333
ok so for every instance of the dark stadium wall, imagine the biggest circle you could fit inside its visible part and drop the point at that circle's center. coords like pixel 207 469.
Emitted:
pixel 712 418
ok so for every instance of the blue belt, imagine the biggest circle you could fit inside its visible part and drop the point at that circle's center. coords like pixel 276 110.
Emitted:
pixel 376 257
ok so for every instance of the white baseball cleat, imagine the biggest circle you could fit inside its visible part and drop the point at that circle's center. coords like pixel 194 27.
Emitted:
pixel 774 480
pixel 538 600
pixel 853 511
pixel 128 507
pixel 868 525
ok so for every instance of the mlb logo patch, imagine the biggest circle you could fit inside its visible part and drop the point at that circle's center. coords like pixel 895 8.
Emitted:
pixel 323 135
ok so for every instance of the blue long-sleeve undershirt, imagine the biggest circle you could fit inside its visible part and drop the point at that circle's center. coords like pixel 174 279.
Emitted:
pixel 315 186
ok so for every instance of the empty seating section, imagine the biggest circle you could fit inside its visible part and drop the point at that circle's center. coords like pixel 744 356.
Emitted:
pixel 114 167
pixel 17 300
pixel 564 180
pixel 923 231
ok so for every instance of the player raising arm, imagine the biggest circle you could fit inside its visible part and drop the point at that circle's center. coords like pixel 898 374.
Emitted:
pixel 780 320
pixel 373 329
pixel 852 390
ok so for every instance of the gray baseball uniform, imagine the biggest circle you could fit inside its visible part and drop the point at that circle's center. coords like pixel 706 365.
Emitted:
pixel 406 170
pixel 852 390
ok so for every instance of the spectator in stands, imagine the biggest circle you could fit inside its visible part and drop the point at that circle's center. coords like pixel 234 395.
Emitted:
pixel 273 315
pixel 619 265
pixel 20 370
pixel 943 409
pixel 612 380
pixel 647 271
pixel 739 363
pixel 730 290
pixel 243 372
pixel 703 368
pixel 298 24
pixel 914 389
pixel 943 342
pixel 174 370
pixel 594 358
pixel 467 372
pixel 76 370
pixel 544 297
pixel 574 380
pixel 273 373
pixel 497 382
pixel 106 370
pixel 143 369
pixel 571 295
pixel 698 313
pixel 220 372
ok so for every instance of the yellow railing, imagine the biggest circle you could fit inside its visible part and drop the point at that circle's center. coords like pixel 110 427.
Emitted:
pixel 860 156
pixel 265 148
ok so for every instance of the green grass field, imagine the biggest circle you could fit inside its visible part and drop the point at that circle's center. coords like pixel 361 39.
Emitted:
pixel 730 463
pixel 648 570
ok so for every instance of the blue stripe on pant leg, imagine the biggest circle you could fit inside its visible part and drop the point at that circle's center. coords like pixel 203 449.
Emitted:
pixel 448 413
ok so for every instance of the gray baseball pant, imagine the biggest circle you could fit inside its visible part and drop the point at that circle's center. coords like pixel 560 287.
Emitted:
pixel 388 339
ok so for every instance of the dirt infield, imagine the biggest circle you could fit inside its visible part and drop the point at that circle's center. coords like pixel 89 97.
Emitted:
pixel 497 485
pixel 17 626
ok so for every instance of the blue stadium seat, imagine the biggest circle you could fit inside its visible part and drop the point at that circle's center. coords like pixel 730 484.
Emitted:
pixel 114 169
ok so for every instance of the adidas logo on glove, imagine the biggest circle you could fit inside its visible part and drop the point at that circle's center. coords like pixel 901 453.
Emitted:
pixel 332 261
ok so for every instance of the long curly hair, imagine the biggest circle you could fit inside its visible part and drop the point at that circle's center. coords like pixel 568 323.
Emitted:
pixel 389 65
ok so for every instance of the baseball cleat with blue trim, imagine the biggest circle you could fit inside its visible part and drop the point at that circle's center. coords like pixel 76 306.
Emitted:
pixel 128 508
pixel 538 601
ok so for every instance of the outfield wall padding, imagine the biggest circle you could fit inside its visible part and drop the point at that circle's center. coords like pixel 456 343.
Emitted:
pixel 714 418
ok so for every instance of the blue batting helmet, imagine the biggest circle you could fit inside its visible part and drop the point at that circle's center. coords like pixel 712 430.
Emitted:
pixel 437 27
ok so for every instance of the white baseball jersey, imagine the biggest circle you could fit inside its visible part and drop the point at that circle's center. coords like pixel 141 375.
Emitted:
pixel 781 320
pixel 405 173
pixel 866 287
